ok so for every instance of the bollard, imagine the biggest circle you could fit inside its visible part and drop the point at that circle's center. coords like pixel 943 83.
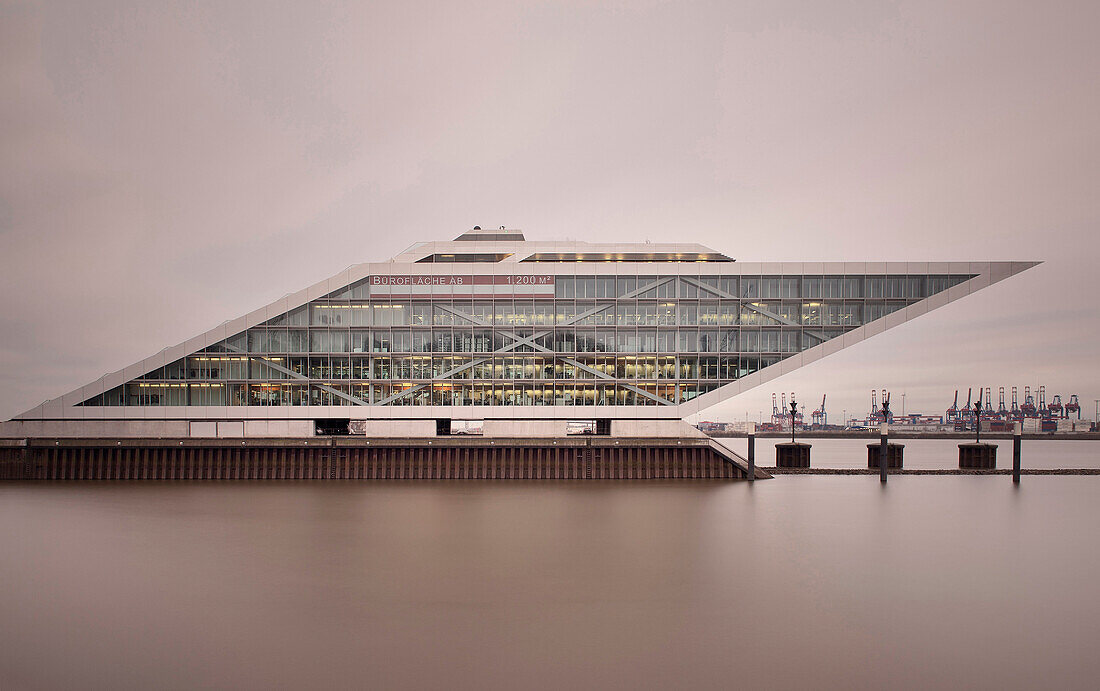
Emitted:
pixel 975 456
pixel 883 436
pixel 795 455
pixel 752 452
pixel 1017 436
pixel 894 455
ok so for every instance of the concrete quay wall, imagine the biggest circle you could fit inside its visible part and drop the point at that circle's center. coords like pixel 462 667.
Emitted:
pixel 343 458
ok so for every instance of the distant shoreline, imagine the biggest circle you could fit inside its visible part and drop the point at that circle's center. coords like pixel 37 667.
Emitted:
pixel 896 433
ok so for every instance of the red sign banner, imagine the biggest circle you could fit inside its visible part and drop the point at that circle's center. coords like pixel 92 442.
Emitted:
pixel 480 286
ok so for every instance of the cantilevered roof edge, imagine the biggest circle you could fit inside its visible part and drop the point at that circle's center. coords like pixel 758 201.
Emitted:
pixel 218 333
pixel 985 275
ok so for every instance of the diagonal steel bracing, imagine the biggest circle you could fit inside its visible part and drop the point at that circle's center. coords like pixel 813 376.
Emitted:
pixel 300 377
pixel 519 340
pixel 759 310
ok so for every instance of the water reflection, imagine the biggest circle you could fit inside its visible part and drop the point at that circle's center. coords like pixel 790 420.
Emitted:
pixel 794 582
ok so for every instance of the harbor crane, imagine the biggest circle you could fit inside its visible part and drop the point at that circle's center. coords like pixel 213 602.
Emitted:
pixel 1056 407
pixel 1044 411
pixel 1074 406
pixel 1028 408
pixel 819 417
pixel 877 416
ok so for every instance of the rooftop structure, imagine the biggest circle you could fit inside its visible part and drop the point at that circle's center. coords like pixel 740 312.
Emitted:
pixel 517 336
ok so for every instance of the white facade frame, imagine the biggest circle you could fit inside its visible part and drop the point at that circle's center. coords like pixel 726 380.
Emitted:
pixel 67 406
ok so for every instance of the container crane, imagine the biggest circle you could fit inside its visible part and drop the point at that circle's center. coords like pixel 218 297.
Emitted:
pixel 962 422
pixel 819 416
pixel 987 411
pixel 876 413
pixel 953 411
pixel 1044 411
pixel 1074 406
pixel 777 417
pixel 1017 414
pixel 1028 408
pixel 1002 411
pixel 1056 407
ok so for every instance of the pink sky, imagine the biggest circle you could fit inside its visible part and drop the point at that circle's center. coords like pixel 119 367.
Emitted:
pixel 167 166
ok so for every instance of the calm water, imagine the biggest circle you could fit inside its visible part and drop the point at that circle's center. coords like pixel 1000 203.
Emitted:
pixel 796 582
pixel 932 454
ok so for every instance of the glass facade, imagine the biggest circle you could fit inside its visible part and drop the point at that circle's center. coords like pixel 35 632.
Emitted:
pixel 535 340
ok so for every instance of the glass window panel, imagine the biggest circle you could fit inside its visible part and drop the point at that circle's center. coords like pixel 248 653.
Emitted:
pixel 586 341
pixel 380 367
pixel 626 341
pixel 624 285
pixel 727 312
pixel 586 287
pixel 605 286
pixel 769 287
pixel 207 394
pixel 297 341
pixel 708 341
pixel 666 313
pixel 728 368
pixel 689 313
pixel 421 341
pixel 565 341
pixel 340 342
pixel 320 341
pixel 401 341
pixel 442 340
pixel 689 368
pixel 812 287
pixel 565 287
pixel 876 287
pixel 708 315
pixel 750 288
pixel 811 313
pixel 788 287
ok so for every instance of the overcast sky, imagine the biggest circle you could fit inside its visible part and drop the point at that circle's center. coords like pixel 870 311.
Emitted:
pixel 165 166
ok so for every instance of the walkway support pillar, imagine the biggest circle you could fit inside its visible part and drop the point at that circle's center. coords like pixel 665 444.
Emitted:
pixel 883 446
pixel 1017 437
pixel 752 451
